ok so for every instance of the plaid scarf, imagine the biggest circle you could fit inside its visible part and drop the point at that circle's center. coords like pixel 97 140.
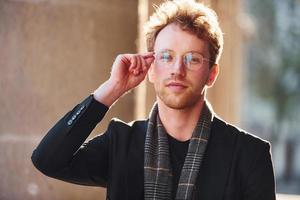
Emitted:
pixel 157 165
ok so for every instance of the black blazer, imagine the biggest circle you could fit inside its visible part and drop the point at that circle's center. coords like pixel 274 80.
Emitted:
pixel 236 165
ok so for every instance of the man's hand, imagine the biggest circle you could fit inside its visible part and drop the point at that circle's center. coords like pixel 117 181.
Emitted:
pixel 128 71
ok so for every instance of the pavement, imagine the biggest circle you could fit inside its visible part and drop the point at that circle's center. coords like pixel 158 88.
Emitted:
pixel 287 197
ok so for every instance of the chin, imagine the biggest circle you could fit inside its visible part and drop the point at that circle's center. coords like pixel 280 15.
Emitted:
pixel 180 103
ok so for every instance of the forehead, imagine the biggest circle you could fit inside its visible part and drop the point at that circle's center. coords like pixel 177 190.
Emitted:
pixel 172 37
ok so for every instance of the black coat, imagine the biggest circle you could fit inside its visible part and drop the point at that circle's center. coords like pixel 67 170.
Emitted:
pixel 236 166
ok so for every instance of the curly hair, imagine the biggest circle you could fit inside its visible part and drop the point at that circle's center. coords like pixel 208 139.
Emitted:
pixel 191 16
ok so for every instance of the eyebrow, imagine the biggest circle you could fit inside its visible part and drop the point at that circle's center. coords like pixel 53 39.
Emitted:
pixel 202 53
pixel 164 50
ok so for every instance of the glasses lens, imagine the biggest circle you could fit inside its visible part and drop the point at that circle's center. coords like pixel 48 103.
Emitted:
pixel 193 60
pixel 165 57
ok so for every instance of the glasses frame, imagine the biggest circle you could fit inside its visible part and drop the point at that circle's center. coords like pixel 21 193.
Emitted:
pixel 188 66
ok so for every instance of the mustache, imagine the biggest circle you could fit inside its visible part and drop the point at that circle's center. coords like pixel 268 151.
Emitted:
pixel 177 79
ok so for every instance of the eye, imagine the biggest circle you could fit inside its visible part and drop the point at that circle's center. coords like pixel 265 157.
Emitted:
pixel 165 57
pixel 192 58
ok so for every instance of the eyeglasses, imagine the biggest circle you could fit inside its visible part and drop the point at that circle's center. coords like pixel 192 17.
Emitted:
pixel 191 60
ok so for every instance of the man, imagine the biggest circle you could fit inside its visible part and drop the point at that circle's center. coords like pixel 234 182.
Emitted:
pixel 183 151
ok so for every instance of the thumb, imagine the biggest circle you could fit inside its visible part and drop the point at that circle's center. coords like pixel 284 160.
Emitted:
pixel 149 60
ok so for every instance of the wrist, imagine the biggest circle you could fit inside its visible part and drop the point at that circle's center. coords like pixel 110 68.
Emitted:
pixel 107 93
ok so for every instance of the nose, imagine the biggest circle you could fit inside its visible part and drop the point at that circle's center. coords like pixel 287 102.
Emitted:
pixel 178 68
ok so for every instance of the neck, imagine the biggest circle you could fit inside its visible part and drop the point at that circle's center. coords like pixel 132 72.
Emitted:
pixel 180 123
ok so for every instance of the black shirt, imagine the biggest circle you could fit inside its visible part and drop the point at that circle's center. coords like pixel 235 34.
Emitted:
pixel 178 150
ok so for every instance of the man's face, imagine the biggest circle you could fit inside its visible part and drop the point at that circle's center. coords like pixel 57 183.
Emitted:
pixel 177 86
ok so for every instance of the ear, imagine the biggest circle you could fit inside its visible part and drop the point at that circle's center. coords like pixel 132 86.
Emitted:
pixel 151 75
pixel 213 74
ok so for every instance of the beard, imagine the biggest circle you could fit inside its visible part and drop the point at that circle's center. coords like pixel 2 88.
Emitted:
pixel 184 99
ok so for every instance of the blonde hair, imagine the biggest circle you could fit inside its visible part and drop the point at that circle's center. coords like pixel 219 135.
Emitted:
pixel 190 16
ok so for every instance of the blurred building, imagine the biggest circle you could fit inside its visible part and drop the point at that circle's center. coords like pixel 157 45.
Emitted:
pixel 272 84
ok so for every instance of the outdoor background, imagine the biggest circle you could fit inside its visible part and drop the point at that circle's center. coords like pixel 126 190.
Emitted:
pixel 54 53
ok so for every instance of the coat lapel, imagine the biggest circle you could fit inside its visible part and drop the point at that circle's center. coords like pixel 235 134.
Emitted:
pixel 214 172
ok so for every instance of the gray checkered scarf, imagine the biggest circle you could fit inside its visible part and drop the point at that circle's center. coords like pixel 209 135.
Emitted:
pixel 157 165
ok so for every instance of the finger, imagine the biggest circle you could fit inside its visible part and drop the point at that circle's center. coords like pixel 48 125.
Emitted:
pixel 147 54
pixel 144 64
pixel 149 61
pixel 124 58
pixel 149 57
pixel 138 65
pixel 133 63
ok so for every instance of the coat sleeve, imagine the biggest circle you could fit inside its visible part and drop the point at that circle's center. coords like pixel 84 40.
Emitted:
pixel 62 153
pixel 259 181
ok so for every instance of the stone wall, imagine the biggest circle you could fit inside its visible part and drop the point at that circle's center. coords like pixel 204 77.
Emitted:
pixel 54 53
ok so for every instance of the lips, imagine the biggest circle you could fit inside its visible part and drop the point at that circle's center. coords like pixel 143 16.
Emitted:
pixel 176 86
